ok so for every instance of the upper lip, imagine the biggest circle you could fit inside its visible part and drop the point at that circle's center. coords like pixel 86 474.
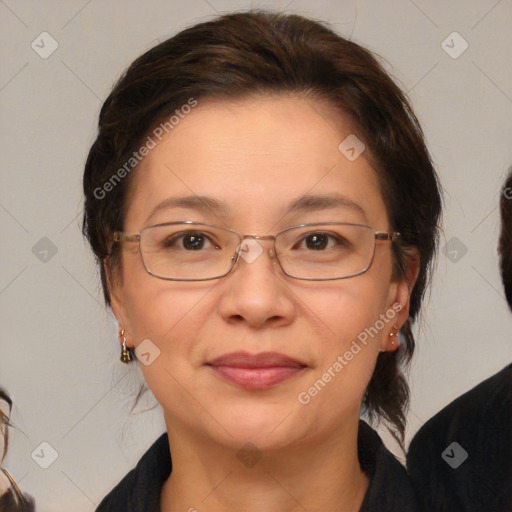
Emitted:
pixel 261 360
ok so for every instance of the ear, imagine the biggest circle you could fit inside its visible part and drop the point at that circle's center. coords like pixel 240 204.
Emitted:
pixel 399 299
pixel 115 289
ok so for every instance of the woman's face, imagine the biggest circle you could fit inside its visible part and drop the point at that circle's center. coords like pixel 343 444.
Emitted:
pixel 255 158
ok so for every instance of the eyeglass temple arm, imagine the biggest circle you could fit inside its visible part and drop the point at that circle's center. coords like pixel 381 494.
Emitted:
pixel 387 236
pixel 123 237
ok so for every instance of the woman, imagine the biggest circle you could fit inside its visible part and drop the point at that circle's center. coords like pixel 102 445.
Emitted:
pixel 264 212
pixel 11 498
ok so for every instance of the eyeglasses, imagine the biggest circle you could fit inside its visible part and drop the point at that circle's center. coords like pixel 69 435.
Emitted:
pixel 193 251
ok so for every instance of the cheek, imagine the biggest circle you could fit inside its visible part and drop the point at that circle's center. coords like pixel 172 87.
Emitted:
pixel 164 310
pixel 154 307
pixel 337 385
pixel 357 317
pixel 170 315
pixel 354 307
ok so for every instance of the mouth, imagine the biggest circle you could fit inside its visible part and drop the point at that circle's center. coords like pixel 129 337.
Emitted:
pixel 256 371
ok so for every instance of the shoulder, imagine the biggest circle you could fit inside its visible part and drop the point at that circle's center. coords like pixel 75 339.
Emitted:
pixel 390 489
pixel 139 490
pixel 474 413
pixel 462 457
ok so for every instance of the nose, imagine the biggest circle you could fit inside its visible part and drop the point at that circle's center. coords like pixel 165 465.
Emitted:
pixel 255 291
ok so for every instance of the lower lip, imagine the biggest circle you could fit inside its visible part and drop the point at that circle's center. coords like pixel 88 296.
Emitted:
pixel 257 378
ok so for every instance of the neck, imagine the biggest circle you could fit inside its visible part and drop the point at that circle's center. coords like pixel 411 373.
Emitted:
pixel 310 475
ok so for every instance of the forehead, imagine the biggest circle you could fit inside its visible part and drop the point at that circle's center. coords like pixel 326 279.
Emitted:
pixel 256 156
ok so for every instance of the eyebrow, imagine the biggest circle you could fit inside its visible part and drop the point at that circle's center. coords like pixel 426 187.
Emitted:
pixel 304 204
pixel 309 203
pixel 201 203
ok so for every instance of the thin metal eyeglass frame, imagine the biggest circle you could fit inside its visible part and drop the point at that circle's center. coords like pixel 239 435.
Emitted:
pixel 120 236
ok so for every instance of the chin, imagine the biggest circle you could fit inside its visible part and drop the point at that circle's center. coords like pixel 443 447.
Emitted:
pixel 269 426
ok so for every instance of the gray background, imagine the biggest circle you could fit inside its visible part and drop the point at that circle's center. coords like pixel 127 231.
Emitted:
pixel 59 353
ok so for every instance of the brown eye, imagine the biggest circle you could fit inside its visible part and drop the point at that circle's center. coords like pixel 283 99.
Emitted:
pixel 317 241
pixel 320 241
pixel 189 241
pixel 193 241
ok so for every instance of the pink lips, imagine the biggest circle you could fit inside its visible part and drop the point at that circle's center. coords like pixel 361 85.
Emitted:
pixel 258 371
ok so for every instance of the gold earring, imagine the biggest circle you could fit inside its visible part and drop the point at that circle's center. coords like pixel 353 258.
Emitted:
pixel 393 336
pixel 126 355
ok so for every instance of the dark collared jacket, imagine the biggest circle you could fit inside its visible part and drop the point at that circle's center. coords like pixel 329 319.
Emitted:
pixel 389 489
pixel 461 459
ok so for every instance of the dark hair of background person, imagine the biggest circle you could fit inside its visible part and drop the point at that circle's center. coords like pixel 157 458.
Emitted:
pixel 246 54
pixel 505 242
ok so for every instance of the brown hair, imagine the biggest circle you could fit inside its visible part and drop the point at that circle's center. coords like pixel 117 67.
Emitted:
pixel 261 52
pixel 505 242
pixel 13 500
pixel 4 420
